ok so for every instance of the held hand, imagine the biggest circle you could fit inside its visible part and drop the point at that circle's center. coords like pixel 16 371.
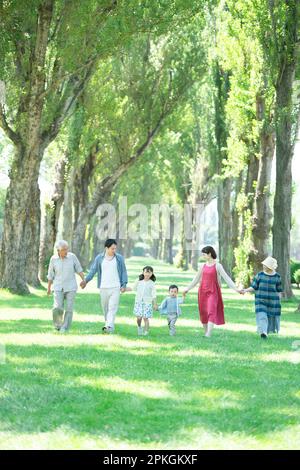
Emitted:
pixel 123 289
pixel 83 284
pixel 49 292
pixel 241 291
pixel 184 293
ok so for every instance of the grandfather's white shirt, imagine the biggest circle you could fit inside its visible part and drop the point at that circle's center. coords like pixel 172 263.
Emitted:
pixel 109 274
pixel 62 272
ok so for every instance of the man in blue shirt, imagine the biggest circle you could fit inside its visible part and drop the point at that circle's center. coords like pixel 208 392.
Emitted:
pixel 112 279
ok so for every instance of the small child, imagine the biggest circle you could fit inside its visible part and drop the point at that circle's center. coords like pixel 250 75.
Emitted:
pixel 267 287
pixel 145 299
pixel 170 307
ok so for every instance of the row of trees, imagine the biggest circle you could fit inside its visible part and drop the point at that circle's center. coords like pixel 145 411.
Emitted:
pixel 180 102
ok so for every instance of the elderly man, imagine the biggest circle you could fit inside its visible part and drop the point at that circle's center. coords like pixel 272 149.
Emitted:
pixel 61 274
pixel 112 280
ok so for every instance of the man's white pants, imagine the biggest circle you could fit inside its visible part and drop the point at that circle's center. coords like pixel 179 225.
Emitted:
pixel 60 297
pixel 110 298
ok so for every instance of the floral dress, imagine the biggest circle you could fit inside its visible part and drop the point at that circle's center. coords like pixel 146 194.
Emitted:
pixel 145 294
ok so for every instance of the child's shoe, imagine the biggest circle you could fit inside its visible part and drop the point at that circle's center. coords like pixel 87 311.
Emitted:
pixel 264 336
pixel 146 333
pixel 107 330
pixel 140 330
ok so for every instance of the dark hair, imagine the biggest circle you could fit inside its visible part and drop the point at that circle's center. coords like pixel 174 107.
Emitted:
pixel 149 269
pixel 209 249
pixel 109 242
pixel 173 286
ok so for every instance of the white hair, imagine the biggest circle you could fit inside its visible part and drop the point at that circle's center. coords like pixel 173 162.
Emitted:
pixel 62 244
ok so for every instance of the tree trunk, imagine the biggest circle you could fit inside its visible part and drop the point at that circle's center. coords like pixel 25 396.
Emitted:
pixel 98 245
pixel 82 179
pixel 161 247
pixel 20 242
pixel 68 209
pixel 283 194
pixel 128 248
pixel 32 236
pixel 168 255
pixel 155 248
pixel 225 224
pixel 222 83
pixel 235 216
pixel 50 219
pixel 262 215
pixel 287 50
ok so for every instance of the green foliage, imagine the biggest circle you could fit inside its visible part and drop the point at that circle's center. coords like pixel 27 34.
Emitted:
pixel 243 272
pixel 295 266
pixel 82 35
pixel 297 277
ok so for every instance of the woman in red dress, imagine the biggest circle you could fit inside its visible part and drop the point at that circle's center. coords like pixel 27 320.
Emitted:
pixel 210 302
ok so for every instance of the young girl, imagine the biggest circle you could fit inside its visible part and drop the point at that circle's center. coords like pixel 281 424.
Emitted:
pixel 267 287
pixel 210 302
pixel 145 299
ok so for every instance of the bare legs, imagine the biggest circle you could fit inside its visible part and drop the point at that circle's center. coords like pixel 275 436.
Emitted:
pixel 208 328
pixel 144 331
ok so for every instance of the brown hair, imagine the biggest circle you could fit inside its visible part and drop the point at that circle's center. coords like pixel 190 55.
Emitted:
pixel 209 250
pixel 149 269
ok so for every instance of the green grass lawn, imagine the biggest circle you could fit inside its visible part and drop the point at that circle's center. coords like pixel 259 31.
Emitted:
pixel 85 390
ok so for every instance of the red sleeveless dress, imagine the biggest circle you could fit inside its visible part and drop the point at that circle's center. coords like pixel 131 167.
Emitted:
pixel 210 302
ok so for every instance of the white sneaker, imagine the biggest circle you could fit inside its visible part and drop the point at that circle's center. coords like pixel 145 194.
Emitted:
pixel 146 333
pixel 62 330
pixel 140 330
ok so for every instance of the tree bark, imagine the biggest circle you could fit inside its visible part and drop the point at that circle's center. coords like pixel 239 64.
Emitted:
pixel 287 60
pixel 225 224
pixel 262 215
pixel 50 219
pixel 68 209
pixel 222 84
pixel 155 248
pixel 238 184
pixel 82 180
pixel 168 243
pixel 283 193
pixel 31 140
pixel 20 242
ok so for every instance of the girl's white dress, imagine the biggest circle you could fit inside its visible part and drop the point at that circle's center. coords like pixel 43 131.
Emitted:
pixel 145 294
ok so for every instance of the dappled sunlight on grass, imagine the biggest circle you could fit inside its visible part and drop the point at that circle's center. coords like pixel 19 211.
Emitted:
pixel 292 357
pixel 88 390
pixel 151 389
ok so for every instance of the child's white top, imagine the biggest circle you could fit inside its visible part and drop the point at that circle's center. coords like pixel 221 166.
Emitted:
pixel 145 291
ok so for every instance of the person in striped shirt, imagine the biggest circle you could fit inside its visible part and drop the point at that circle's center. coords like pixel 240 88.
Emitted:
pixel 267 287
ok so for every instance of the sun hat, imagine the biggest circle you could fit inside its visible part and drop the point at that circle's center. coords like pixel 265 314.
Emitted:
pixel 270 262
